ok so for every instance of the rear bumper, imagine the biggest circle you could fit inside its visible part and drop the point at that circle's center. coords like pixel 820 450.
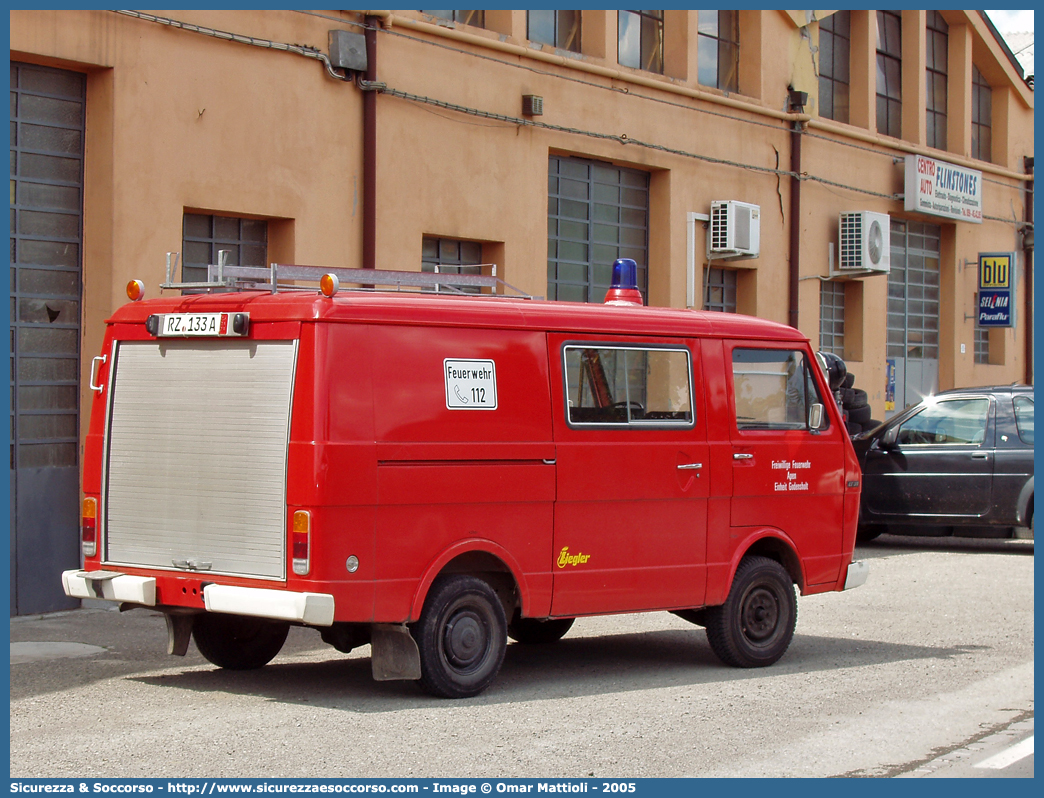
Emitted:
pixel 314 609
pixel 857 574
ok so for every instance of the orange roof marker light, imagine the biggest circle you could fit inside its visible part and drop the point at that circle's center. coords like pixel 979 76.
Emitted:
pixel 329 284
pixel 135 290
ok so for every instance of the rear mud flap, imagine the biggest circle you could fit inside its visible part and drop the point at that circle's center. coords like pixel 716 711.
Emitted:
pixel 179 632
pixel 393 653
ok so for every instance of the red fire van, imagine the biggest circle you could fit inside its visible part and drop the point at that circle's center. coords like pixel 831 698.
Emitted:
pixel 431 474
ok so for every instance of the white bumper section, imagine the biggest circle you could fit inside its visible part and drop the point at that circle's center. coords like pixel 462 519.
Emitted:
pixel 314 609
pixel 857 574
pixel 110 586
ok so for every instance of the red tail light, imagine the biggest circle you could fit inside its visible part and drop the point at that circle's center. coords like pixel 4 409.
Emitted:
pixel 89 527
pixel 300 542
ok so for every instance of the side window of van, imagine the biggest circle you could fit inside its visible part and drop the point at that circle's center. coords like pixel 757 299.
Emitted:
pixel 628 386
pixel 774 388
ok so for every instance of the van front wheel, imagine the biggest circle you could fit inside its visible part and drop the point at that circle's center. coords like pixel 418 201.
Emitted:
pixel 237 642
pixel 462 637
pixel 755 625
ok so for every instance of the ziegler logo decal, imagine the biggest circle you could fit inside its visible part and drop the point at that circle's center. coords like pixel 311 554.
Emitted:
pixel 565 558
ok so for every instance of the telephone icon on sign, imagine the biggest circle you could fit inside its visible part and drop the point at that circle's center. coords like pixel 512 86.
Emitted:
pixel 460 396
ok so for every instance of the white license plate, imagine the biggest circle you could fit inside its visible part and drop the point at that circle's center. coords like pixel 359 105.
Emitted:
pixel 180 325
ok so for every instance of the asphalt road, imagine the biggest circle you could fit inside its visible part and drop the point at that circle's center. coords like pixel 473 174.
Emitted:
pixel 926 668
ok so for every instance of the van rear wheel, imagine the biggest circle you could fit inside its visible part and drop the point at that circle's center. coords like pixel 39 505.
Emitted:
pixel 462 637
pixel 755 625
pixel 237 642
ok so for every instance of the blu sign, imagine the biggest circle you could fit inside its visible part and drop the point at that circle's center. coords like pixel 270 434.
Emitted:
pixel 996 289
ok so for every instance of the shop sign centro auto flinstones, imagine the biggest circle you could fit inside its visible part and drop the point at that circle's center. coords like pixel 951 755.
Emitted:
pixel 943 189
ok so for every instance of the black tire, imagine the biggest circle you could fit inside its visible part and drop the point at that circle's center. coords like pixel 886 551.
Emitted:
pixel 849 380
pixel 853 428
pixel 872 424
pixel 859 398
pixel 869 532
pixel 755 625
pixel 536 631
pixel 860 415
pixel 462 637
pixel 238 642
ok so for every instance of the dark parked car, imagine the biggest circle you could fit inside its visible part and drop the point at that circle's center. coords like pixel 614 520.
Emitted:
pixel 959 463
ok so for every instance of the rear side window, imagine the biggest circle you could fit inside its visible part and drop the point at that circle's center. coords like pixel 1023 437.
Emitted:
pixel 954 421
pixel 1024 418
pixel 628 386
pixel 774 388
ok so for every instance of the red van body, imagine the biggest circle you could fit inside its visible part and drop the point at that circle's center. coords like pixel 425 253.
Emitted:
pixel 430 473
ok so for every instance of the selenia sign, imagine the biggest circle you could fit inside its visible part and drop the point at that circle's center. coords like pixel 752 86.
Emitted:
pixel 942 189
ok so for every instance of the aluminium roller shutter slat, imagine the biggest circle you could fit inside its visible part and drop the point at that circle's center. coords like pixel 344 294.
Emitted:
pixel 197 450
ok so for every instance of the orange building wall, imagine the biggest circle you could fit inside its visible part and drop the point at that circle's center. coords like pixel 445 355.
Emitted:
pixel 178 121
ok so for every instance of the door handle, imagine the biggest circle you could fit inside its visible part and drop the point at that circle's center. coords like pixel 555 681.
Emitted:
pixel 94 370
pixel 742 456
pixel 690 467
pixel 979 456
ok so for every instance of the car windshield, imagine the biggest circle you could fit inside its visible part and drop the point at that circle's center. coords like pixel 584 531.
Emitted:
pixel 951 421
pixel 1024 418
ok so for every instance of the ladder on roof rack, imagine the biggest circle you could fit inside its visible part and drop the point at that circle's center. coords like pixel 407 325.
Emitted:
pixel 222 277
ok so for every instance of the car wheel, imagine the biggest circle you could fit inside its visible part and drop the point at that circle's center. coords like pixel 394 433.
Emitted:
pixel 755 625
pixel 462 637
pixel 867 533
pixel 536 631
pixel 237 642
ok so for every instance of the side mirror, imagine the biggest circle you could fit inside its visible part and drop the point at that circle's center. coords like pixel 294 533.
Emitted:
pixel 888 440
pixel 815 416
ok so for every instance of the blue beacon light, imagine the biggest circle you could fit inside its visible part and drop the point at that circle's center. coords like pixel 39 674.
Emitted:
pixel 624 290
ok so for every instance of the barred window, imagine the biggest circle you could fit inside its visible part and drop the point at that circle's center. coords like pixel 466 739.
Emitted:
pixel 832 318
pixel 835 44
pixel 596 213
pixel 450 256
pixel 937 39
pixel 558 28
pixel 246 241
pixel 717 49
pixel 889 73
pixel 719 292
pixel 982 345
pixel 641 40
pixel 982 117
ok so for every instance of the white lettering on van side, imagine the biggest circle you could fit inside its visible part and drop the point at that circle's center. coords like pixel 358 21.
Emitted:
pixel 791 467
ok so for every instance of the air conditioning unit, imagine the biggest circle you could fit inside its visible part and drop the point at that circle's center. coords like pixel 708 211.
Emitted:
pixel 735 230
pixel 865 242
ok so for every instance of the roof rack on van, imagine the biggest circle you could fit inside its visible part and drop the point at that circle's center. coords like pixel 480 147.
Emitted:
pixel 223 277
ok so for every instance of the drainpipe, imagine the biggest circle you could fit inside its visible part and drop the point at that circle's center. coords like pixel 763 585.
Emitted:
pixel 369 209
pixel 1027 250
pixel 797 106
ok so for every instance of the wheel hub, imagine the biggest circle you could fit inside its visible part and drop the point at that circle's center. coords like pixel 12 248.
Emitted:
pixel 465 640
pixel 760 614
